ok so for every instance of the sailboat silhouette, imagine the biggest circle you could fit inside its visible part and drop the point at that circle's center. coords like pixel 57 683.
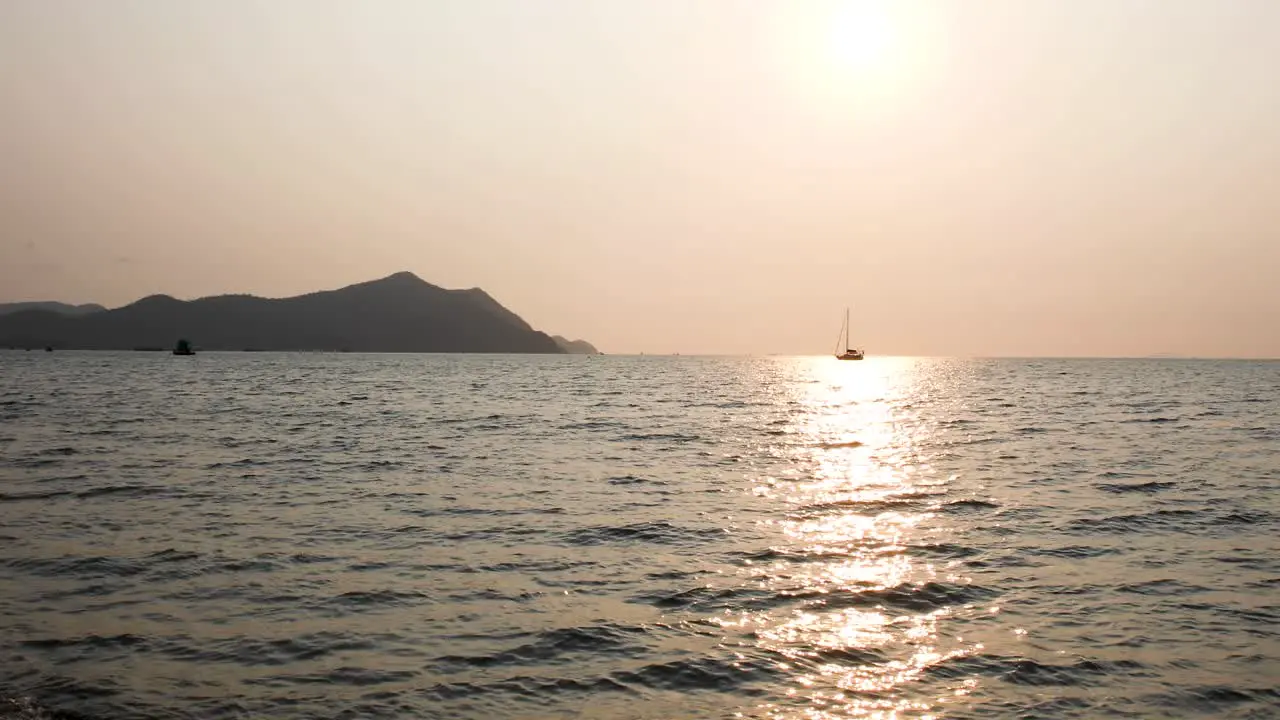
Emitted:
pixel 844 342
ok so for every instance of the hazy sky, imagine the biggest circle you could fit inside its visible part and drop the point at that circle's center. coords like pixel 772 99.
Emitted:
pixel 1025 177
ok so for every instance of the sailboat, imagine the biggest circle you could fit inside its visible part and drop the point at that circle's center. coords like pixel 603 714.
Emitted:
pixel 843 342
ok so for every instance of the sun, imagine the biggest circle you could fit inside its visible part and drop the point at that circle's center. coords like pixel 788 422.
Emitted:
pixel 860 34
pixel 844 54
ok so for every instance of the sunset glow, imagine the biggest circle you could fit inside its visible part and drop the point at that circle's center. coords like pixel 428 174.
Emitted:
pixel 721 177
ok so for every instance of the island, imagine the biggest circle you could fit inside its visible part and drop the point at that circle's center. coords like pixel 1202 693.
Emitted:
pixel 399 313
pixel 56 307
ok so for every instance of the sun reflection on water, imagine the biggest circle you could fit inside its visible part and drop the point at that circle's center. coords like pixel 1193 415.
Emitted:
pixel 857 501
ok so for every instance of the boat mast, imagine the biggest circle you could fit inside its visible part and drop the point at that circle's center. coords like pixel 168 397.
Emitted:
pixel 846 330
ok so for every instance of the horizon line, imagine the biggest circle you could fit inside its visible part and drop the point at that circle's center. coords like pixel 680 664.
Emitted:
pixel 1219 358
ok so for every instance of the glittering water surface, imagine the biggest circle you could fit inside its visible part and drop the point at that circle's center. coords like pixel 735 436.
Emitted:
pixel 346 536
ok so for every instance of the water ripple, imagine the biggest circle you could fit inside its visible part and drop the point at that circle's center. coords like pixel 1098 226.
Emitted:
pixel 347 536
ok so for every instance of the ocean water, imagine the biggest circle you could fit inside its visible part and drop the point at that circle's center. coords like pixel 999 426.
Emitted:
pixel 345 536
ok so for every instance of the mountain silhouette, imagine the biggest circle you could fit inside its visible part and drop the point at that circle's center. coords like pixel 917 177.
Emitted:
pixel 400 313
pixel 575 347
pixel 58 307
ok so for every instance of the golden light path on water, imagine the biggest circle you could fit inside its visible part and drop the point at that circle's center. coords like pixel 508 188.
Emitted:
pixel 841 504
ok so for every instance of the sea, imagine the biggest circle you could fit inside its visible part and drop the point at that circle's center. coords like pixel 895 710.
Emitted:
pixel 486 536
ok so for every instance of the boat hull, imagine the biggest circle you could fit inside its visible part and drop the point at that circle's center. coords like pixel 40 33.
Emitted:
pixel 850 356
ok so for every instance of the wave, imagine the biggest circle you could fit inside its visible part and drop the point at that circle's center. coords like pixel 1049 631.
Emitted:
pixel 957 506
pixel 122 490
pixel 343 676
pixel 658 532
pixel 943 550
pixel 908 503
pixel 359 600
pixel 1159 520
pixel 552 647
pixel 34 463
pixel 634 480
pixel 1026 671
pixel 17 708
pixel 536 688
pixel 827 554
pixel 82 568
pixel 94 642
pixel 242 463
pixel 1248 517
pixel 1146 487
pixel 1074 552
pixel 1118 475
pixel 700 674
pixel 170 555
pixel 900 504
pixel 594 425
pixel 29 496
pixel 464 511
pixel 662 437
pixel 926 597
pixel 1165 587
pixel 708 598
pixel 1215 698
pixel 491 418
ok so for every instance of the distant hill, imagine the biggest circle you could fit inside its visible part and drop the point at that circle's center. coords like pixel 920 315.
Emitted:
pixel 575 347
pixel 57 307
pixel 400 313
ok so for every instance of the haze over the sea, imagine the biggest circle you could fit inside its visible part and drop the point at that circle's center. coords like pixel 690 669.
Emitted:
pixel 997 178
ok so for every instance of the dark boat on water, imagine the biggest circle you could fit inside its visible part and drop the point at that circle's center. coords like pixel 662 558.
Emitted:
pixel 849 353
pixel 183 348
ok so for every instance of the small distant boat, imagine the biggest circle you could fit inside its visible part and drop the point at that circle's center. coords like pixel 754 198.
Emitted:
pixel 843 342
pixel 183 348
